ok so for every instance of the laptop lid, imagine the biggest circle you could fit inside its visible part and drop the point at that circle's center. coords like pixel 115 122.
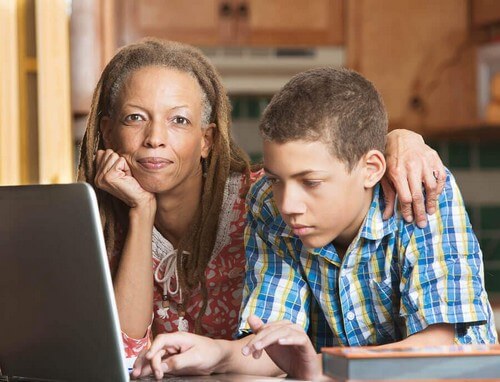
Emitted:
pixel 58 318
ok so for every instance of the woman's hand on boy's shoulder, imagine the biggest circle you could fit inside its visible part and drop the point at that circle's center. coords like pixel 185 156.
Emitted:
pixel 412 164
pixel 287 344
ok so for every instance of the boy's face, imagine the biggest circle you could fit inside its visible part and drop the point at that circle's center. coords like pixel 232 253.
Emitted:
pixel 314 192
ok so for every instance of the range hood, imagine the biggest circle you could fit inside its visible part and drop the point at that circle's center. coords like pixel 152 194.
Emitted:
pixel 246 70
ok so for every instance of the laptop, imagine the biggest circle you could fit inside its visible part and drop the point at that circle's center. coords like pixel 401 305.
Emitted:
pixel 58 319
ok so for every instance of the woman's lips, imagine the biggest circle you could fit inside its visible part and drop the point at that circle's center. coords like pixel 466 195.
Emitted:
pixel 154 163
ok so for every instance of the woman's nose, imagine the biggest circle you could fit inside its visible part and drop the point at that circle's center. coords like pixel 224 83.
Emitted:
pixel 156 135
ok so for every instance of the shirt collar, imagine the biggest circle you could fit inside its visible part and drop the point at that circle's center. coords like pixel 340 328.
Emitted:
pixel 374 226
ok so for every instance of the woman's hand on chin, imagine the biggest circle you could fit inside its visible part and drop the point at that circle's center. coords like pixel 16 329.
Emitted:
pixel 113 175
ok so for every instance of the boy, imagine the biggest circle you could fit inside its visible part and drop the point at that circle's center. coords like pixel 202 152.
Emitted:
pixel 319 254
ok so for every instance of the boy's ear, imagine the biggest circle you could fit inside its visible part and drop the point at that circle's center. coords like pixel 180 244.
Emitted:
pixel 375 168
pixel 105 128
pixel 207 139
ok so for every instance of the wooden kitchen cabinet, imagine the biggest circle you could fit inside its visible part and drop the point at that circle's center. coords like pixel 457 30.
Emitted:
pixel 292 22
pixel 234 22
pixel 419 55
pixel 198 22
pixel 485 12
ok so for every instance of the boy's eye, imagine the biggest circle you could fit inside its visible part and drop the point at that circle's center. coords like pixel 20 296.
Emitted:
pixel 312 183
pixel 134 118
pixel 181 120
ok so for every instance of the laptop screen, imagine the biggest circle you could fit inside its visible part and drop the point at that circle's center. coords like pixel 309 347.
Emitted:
pixel 58 319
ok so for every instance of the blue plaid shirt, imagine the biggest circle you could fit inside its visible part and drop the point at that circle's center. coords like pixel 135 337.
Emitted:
pixel 394 280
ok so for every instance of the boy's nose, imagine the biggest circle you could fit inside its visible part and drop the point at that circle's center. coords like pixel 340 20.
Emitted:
pixel 291 203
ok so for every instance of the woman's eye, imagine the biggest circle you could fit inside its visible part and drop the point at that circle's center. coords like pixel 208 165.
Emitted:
pixel 134 118
pixel 181 120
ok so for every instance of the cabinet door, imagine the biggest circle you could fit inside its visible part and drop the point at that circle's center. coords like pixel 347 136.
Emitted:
pixel 485 12
pixel 417 53
pixel 290 22
pixel 197 22
pixel 234 22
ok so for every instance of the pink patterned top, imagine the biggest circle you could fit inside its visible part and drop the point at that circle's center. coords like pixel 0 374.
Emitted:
pixel 224 277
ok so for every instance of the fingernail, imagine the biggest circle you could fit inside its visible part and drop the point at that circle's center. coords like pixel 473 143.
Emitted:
pixel 245 350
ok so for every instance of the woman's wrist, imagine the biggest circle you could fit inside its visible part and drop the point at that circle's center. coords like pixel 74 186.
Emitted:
pixel 143 212
pixel 396 134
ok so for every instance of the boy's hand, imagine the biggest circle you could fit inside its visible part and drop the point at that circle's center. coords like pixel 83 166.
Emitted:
pixel 411 163
pixel 179 353
pixel 287 345
pixel 113 175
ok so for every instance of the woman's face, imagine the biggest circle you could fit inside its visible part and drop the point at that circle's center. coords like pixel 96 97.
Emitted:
pixel 157 127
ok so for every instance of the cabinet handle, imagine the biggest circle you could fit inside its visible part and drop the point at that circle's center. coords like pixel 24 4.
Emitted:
pixel 243 10
pixel 225 10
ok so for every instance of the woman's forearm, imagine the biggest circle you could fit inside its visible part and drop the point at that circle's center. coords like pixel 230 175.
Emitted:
pixel 133 283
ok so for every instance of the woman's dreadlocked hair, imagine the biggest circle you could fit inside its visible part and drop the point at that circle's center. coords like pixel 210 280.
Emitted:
pixel 225 156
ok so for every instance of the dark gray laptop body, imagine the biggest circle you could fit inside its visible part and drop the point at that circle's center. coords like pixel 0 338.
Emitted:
pixel 58 318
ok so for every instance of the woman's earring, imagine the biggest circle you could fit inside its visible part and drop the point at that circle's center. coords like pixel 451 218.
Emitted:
pixel 204 167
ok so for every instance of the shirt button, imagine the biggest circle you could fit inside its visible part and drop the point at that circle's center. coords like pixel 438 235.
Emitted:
pixel 350 315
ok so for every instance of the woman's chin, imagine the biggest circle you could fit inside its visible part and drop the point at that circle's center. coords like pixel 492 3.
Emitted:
pixel 155 187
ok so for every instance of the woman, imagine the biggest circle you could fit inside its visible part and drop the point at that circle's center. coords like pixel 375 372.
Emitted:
pixel 171 183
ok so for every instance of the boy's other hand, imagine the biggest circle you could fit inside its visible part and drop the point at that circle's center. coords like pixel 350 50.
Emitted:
pixel 287 345
pixel 178 353
pixel 411 164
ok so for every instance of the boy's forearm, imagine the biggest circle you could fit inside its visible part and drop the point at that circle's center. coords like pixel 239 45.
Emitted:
pixel 433 335
pixel 234 361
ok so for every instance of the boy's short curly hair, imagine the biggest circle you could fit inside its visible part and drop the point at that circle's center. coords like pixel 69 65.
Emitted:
pixel 334 105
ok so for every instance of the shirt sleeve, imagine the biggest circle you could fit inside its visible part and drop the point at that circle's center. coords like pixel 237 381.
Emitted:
pixel 274 287
pixel 133 346
pixel 442 277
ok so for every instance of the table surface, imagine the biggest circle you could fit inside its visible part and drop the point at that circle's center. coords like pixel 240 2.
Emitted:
pixel 227 378
pixel 254 378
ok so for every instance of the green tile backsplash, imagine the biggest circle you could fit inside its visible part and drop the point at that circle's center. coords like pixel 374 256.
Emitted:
pixel 459 154
pixel 489 155
pixel 468 154
pixel 490 247
pixel 249 107
pixel 490 217
pixel 236 104
pixel 492 279
pixel 253 108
